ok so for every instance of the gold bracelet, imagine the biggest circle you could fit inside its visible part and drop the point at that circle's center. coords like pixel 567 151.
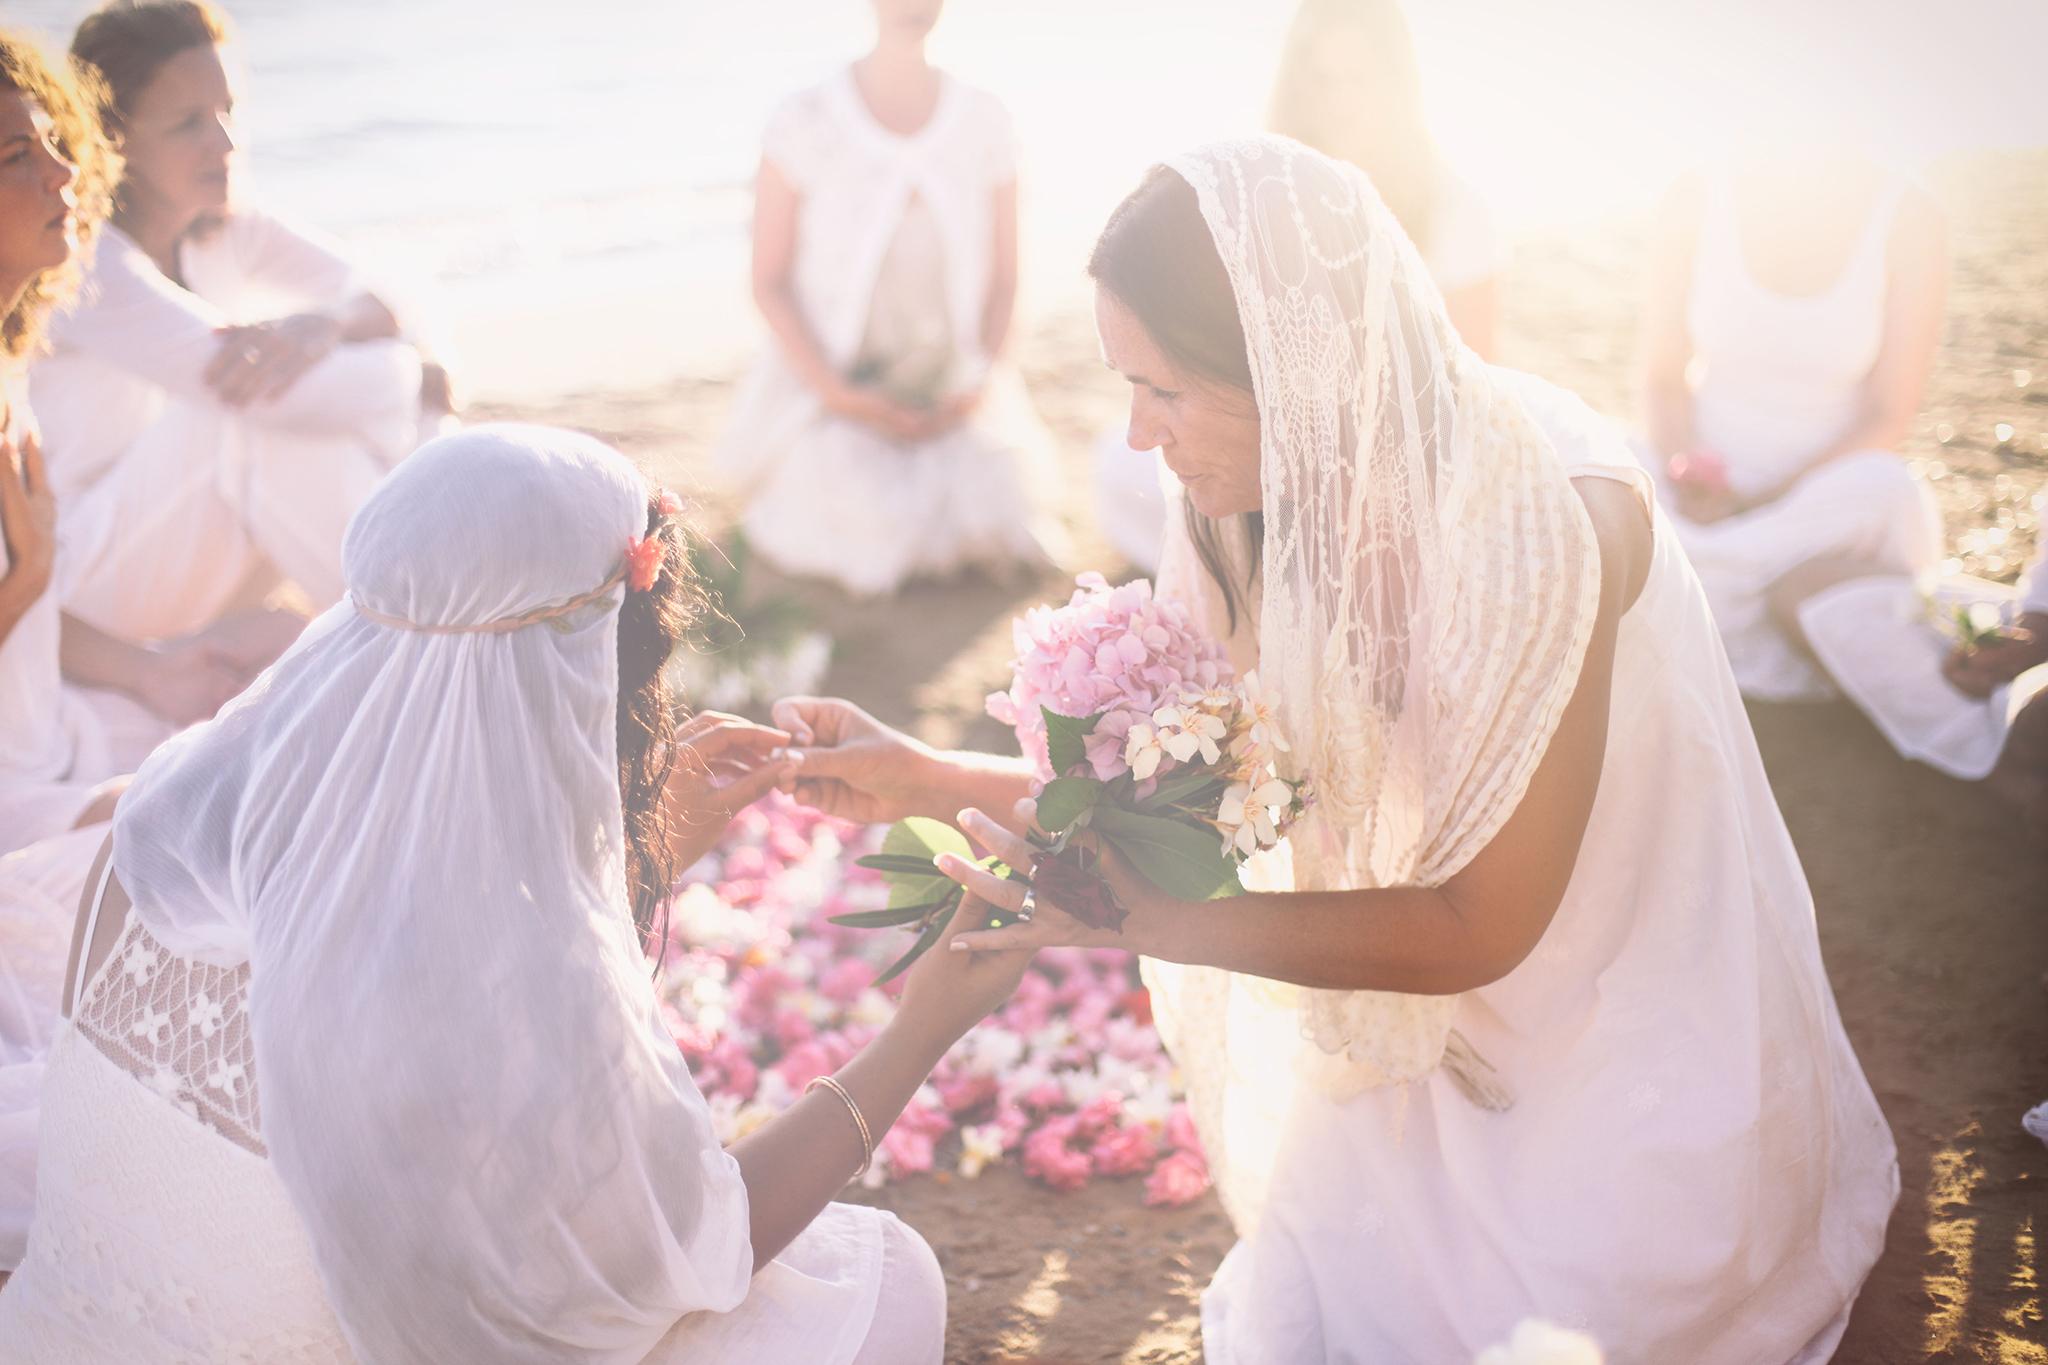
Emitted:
pixel 867 1140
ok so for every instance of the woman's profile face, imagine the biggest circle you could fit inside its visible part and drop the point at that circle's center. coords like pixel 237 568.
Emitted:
pixel 38 230
pixel 1208 433
pixel 179 138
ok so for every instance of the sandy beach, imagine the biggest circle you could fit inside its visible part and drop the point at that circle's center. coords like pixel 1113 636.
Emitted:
pixel 1932 900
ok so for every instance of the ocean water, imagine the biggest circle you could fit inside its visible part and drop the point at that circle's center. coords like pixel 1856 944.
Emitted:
pixel 566 187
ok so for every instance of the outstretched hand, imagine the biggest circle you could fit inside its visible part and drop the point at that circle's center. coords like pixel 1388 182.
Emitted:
pixel 724 764
pixel 1050 926
pixel 846 763
pixel 1996 660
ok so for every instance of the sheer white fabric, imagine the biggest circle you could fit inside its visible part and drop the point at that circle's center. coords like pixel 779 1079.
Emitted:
pixel 1778 380
pixel 1428 580
pixel 891 273
pixel 158 1240
pixel 413 841
pixel 1693 1167
pixel 172 500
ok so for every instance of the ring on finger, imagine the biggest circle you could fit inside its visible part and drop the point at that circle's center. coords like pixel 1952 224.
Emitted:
pixel 1027 907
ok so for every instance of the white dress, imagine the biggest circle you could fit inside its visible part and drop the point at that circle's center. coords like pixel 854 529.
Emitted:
pixel 173 500
pixel 162 1234
pixel 1130 485
pixel 1693 1169
pixel 58 743
pixel 894 238
pixel 1876 638
pixel 1777 379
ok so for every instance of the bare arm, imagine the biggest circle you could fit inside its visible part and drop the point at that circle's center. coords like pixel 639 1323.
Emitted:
pixel 1666 340
pixel 776 206
pixel 1000 307
pixel 1475 312
pixel 1470 931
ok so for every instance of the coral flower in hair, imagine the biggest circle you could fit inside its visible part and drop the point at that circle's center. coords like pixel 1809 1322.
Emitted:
pixel 668 504
pixel 643 562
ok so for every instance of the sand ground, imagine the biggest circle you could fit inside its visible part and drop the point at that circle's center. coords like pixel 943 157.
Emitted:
pixel 1932 899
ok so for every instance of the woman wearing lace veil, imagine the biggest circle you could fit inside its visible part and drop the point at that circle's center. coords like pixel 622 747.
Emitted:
pixel 1528 1016
pixel 392 890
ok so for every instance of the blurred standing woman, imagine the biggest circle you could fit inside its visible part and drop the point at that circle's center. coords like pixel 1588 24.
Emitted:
pixel 1795 302
pixel 228 391
pixel 884 436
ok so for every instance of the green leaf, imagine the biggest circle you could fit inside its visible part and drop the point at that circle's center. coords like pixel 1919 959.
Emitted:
pixel 888 919
pixel 932 933
pixel 1183 785
pixel 911 844
pixel 1184 861
pixel 1066 738
pixel 1064 800
pixel 892 862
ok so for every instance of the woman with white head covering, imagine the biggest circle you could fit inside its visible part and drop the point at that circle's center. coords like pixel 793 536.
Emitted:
pixel 392 891
pixel 1527 1017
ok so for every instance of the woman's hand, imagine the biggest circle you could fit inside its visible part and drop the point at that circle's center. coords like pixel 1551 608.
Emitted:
pixel 437 390
pixel 1982 669
pixel 262 360
pixel 188 680
pixel 252 640
pixel 946 993
pixel 876 411
pixel 1050 926
pixel 28 517
pixel 848 764
pixel 723 765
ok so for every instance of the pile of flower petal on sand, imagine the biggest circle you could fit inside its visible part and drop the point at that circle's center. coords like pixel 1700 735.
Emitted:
pixel 762 993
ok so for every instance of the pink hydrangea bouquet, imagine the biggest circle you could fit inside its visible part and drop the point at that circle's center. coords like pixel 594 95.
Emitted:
pixel 1144 740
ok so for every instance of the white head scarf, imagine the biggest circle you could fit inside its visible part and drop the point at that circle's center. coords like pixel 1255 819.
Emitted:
pixel 1428 582
pixel 410 828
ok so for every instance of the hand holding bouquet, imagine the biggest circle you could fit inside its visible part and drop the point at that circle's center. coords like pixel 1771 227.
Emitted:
pixel 1146 745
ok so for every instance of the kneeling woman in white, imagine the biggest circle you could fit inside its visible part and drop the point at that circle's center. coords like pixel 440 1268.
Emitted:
pixel 225 393
pixel 1529 1017
pixel 391 893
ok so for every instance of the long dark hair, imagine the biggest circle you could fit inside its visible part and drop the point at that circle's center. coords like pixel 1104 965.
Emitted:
pixel 652 624
pixel 1157 257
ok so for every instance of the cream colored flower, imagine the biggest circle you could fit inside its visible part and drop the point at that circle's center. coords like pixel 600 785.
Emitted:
pixel 1259 705
pixel 1185 731
pixel 1142 752
pixel 981 1146
pixel 1539 1343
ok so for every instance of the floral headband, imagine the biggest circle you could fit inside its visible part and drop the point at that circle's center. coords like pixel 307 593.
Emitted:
pixel 638 571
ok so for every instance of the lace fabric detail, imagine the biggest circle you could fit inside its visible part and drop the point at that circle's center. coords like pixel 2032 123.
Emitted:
pixel 180 1027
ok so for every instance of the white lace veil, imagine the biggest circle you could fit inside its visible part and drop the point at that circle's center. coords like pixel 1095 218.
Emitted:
pixel 1426 589
pixel 412 833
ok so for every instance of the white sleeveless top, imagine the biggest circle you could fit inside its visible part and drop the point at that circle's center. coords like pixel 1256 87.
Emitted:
pixel 1779 375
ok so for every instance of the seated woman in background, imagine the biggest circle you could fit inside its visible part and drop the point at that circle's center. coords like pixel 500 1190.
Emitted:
pixel 226 392
pixel 64 751
pixel 383 1135
pixel 1795 302
pixel 884 436
pixel 1348 86
pixel 1969 699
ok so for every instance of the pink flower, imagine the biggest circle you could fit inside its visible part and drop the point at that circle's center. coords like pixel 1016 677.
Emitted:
pixel 1123 1151
pixel 962 1093
pixel 643 561
pixel 1180 1130
pixel 804 1064
pixel 909 1151
pixel 843 982
pixel 1180 1179
pixel 1048 1155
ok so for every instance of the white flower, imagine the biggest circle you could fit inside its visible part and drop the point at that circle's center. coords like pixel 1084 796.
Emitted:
pixel 205 1013
pixel 1141 751
pixel 1185 732
pixel 153 1024
pixel 981 1145
pixel 1539 1343
pixel 1247 815
pixel 1259 705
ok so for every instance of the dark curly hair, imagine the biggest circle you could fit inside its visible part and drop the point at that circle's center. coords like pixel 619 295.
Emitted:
pixel 73 108
pixel 652 626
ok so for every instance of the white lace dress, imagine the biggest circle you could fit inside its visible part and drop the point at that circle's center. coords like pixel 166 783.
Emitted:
pixel 161 1234
pixel 1778 379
